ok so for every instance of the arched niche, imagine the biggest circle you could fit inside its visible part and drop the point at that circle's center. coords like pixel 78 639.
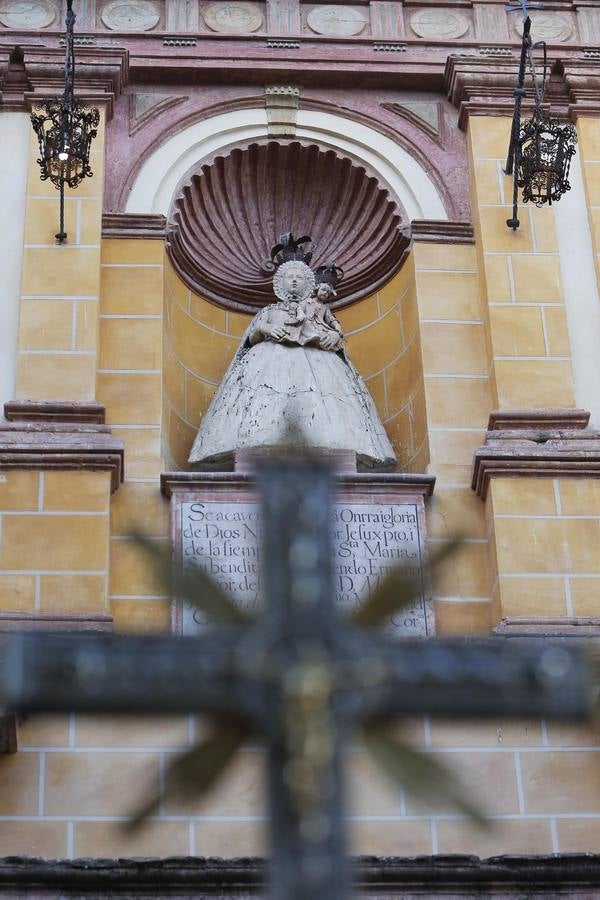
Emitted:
pixel 381 324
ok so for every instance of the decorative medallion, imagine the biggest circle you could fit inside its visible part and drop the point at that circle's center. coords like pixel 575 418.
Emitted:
pixel 233 18
pixel 439 24
pixel 340 21
pixel 549 27
pixel 131 15
pixel 27 14
pixel 231 210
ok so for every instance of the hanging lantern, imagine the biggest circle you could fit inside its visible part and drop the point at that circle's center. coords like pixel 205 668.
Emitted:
pixel 547 148
pixel 540 149
pixel 65 135
pixel 65 131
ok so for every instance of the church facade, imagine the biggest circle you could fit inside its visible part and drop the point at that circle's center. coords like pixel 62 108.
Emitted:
pixel 381 129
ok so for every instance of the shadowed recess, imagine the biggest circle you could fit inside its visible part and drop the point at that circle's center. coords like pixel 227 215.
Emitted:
pixel 225 220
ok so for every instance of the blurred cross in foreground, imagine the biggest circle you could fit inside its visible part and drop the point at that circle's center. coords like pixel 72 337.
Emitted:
pixel 301 678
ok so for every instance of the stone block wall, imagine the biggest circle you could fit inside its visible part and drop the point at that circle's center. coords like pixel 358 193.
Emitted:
pixel 460 330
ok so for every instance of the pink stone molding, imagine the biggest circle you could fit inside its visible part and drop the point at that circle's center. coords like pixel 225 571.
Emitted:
pixel 433 231
pixel 56 621
pixel 61 446
pixel 562 419
pixel 229 214
pixel 64 411
pixel 549 626
pixel 534 453
pixel 133 225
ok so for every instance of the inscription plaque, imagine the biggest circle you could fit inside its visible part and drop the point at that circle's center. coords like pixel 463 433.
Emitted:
pixel 224 538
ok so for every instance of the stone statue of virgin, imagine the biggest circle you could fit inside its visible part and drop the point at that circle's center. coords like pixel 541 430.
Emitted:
pixel 290 377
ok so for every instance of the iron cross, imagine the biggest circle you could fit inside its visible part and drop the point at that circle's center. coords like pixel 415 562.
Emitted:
pixel 300 674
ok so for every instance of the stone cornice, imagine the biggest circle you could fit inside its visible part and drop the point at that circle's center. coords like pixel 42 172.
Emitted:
pixel 375 876
pixel 533 453
pixel 61 411
pixel 561 419
pixel 56 621
pixel 46 446
pixel 441 232
pixel 400 482
pixel 133 225
pixel 101 74
pixel 479 85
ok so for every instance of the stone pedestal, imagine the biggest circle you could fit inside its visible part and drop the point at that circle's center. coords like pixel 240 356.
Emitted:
pixel 378 522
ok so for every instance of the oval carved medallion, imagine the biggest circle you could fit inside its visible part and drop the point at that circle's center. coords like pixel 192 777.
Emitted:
pixel 337 20
pixel 233 18
pixel 26 14
pixel 131 15
pixel 547 27
pixel 440 24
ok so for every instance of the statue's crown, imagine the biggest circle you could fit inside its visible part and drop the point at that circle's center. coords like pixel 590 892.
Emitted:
pixel 328 274
pixel 290 248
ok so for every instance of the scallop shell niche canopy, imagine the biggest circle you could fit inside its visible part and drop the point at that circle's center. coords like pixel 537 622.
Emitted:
pixel 224 217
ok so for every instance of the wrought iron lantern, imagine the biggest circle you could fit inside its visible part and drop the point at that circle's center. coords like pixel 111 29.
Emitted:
pixel 541 148
pixel 65 130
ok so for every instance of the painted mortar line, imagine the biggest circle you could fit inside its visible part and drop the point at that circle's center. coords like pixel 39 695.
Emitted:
pixel 130 316
pixel 532 359
pixel 41 783
pixel 57 352
pixel 37 600
pixel 41 490
pixel 500 176
pixel 557 497
pixel 70 839
pixel 73 326
pixel 191 839
pixel 544 731
pixel 568 596
pixel 59 297
pixel 53 572
pixel 532 229
pixel 438 817
pixel 554 834
pixel 545 332
pixel 54 246
pixel 49 512
pixel 131 265
pixel 72 730
pixel 551 516
pixel 129 371
pixel 451 322
pixel 427 730
pixel 435 847
pixel 78 222
pixel 433 376
pixel 519 781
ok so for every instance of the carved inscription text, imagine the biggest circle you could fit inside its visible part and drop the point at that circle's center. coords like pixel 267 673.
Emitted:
pixel 224 539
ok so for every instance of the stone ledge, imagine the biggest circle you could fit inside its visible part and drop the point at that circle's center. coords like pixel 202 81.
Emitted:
pixel 399 482
pixel 61 446
pixel 513 419
pixel 64 411
pixel 133 225
pixel 550 626
pixel 457 875
pixel 61 622
pixel 432 231
pixel 531 453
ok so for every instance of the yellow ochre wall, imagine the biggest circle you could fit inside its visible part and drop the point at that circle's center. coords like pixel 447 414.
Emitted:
pixel 483 341
pixel 58 323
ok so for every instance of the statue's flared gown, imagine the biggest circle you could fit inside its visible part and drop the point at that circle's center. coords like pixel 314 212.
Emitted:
pixel 273 390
